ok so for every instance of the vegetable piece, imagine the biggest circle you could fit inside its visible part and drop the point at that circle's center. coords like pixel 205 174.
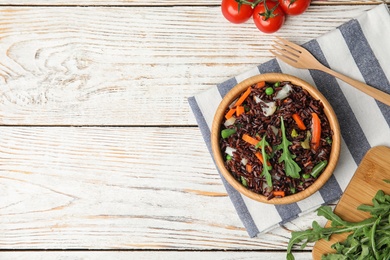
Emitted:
pixel 240 110
pixel 368 239
pixel 230 113
pixel 229 150
pixel 279 193
pixel 243 97
pixel 260 157
pixel 291 168
pixel 315 132
pixel 266 165
pixel 298 120
pixel 236 12
pixel 318 168
pixel 260 84
pixel 294 133
pixel 230 121
pixel 268 108
pixel 225 133
pixel 268 16
pixel 269 91
pixel 248 168
pixel 243 181
pixel 284 92
pixel 306 143
pixel 249 139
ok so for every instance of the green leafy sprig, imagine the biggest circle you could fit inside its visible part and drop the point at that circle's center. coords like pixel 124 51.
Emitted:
pixel 369 239
pixel 290 166
pixel 266 168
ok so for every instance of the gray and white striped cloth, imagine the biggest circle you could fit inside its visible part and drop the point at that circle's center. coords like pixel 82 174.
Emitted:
pixel 360 48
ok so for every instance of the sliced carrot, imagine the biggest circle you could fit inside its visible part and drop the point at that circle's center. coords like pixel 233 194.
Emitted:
pixel 261 159
pixel 249 139
pixel 240 110
pixel 260 84
pixel 315 131
pixel 298 120
pixel 243 97
pixel 248 168
pixel 230 113
pixel 279 193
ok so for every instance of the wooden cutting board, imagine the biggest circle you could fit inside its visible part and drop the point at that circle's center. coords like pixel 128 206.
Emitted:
pixel 367 180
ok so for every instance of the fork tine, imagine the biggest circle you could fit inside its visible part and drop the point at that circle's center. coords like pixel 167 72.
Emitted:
pixel 290 44
pixel 290 61
pixel 286 48
pixel 292 54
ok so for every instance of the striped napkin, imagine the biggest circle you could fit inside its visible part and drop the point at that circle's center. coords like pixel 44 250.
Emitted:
pixel 360 49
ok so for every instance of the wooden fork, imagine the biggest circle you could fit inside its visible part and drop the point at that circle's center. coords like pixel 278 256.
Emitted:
pixel 299 57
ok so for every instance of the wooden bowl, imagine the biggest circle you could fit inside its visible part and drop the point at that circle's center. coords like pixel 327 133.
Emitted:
pixel 217 153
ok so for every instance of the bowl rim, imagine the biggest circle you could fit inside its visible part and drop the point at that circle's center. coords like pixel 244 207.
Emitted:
pixel 328 110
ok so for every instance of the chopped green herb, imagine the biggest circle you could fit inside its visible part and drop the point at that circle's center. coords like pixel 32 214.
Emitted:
pixel 306 176
pixel 290 166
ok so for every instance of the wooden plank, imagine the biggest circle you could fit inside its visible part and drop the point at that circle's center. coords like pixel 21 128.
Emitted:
pixel 163 3
pixel 118 188
pixel 129 66
pixel 160 255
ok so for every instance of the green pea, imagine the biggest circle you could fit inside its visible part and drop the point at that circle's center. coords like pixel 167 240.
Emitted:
pixel 228 157
pixel 269 91
pixel 277 84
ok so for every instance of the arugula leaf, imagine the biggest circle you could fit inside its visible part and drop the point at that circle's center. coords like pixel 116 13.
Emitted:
pixel 290 166
pixel 266 168
pixel 368 239
pixel 327 212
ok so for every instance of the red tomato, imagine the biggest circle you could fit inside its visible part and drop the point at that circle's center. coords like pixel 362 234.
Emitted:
pixel 231 13
pixel 268 16
pixel 294 7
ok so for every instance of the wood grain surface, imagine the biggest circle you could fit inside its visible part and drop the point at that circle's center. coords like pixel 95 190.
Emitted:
pixel 98 147
pixel 63 66
pixel 161 3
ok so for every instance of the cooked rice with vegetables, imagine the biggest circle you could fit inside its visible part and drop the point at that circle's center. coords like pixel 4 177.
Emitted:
pixel 276 139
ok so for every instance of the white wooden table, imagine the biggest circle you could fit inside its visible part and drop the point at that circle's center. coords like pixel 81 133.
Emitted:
pixel 100 155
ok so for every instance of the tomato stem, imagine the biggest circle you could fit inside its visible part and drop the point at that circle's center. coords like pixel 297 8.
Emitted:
pixel 246 2
pixel 268 13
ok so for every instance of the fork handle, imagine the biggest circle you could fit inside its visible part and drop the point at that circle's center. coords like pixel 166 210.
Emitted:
pixel 371 91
